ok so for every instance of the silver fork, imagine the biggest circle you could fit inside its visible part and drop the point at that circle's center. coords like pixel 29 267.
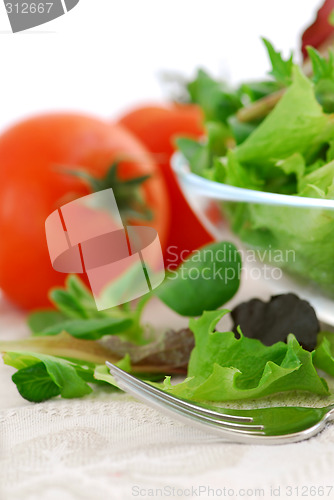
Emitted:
pixel 277 425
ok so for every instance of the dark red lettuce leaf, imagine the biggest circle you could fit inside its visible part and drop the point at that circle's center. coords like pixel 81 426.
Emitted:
pixel 170 351
pixel 317 34
pixel 272 321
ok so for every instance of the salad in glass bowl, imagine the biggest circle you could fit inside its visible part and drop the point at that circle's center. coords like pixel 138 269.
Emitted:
pixel 266 167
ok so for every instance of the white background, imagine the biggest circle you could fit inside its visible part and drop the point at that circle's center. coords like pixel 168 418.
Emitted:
pixel 105 55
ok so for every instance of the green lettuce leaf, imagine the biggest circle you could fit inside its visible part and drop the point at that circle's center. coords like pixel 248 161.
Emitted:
pixel 200 155
pixel 291 151
pixel 297 240
pixel 319 183
pixel 40 376
pixel 217 101
pixel 241 130
pixel 323 77
pixel 252 91
pixel 102 374
pixel 230 171
pixel 223 367
pixel 90 329
pixel 206 280
pixel 281 69
pixel 323 69
pixel 296 125
pixel 40 320
pixel 323 356
pixel 76 313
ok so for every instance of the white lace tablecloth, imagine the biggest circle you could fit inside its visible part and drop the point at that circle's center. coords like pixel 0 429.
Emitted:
pixel 109 446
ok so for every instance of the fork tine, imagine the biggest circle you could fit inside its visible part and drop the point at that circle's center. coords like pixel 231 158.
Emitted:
pixel 186 414
pixel 139 388
pixel 115 370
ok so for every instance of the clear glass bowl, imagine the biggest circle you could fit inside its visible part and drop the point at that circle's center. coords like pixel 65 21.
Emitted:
pixel 286 242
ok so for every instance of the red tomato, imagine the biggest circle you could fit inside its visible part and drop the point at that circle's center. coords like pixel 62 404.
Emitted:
pixel 34 157
pixel 157 127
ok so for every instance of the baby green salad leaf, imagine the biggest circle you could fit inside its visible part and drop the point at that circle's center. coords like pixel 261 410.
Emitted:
pixel 296 125
pixel 205 281
pixel 41 376
pixel 223 367
pixel 215 98
pixel 281 69
pixel 323 69
pixel 38 321
pixel 323 356
pixel 91 329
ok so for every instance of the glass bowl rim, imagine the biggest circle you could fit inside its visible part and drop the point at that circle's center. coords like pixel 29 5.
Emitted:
pixel 225 192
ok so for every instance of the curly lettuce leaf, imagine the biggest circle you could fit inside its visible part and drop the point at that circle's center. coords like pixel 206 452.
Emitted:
pixel 296 125
pixel 230 171
pixel 223 367
pixel 280 153
pixel 323 356
pixel 319 183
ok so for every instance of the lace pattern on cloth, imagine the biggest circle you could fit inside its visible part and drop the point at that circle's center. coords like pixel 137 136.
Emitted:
pixel 105 444
pixel 102 448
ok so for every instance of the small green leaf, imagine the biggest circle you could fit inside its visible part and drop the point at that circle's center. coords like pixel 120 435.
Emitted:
pixel 61 372
pixel 102 374
pixel 324 92
pixel 40 320
pixel 281 69
pixel 323 77
pixel 230 171
pixel 218 135
pixel 59 346
pixel 241 130
pixel 217 101
pixel 323 356
pixel 294 164
pixel 67 304
pixel 89 329
pixel 321 179
pixel 188 147
pixel 322 68
pixel 197 154
pixel 206 280
pixel 254 91
pixel 125 363
pixel 78 289
pixel 34 383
